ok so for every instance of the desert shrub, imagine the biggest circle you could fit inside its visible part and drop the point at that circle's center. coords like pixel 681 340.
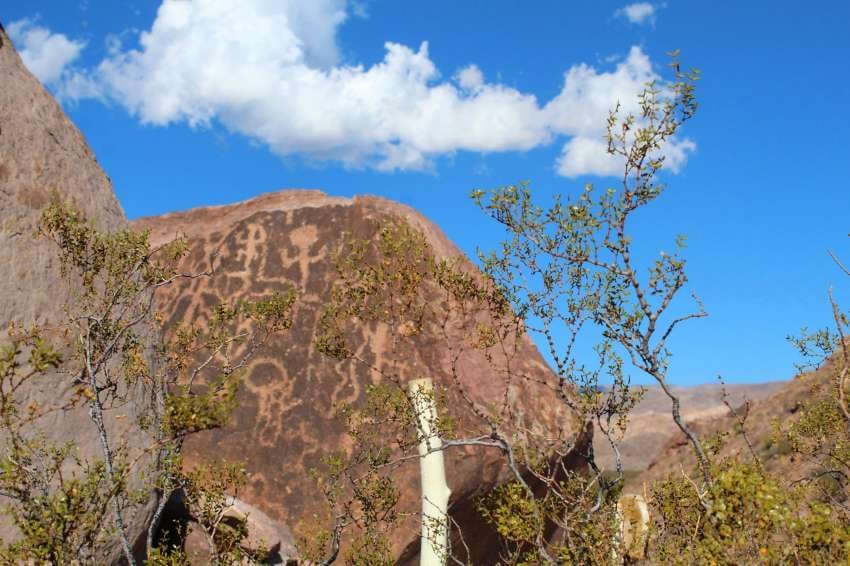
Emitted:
pixel 66 508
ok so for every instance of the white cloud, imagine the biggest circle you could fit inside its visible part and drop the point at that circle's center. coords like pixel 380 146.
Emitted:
pixel 359 9
pixel 45 54
pixel 677 152
pixel 580 109
pixel 76 85
pixel 587 156
pixel 638 12
pixel 245 64
pixel 271 70
pixel 470 78
pixel 587 94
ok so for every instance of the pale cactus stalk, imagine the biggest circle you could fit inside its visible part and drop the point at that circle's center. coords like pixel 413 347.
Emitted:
pixel 435 490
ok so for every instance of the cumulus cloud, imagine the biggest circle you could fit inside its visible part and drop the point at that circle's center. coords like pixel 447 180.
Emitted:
pixel 46 54
pixel 579 112
pixel 637 13
pixel 271 70
pixel 470 78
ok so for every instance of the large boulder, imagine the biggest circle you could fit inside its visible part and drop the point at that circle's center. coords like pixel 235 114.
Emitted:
pixel 265 535
pixel 285 421
pixel 41 151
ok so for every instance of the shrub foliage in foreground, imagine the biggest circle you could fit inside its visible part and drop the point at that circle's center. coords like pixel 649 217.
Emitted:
pixel 69 508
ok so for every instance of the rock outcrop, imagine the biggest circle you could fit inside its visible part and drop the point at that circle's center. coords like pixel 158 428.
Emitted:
pixel 265 535
pixel 285 421
pixel 41 151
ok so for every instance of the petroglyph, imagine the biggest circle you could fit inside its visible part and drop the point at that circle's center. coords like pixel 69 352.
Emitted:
pixel 285 420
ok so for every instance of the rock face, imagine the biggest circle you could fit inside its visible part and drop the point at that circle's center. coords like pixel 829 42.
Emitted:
pixel 264 535
pixel 42 151
pixel 285 421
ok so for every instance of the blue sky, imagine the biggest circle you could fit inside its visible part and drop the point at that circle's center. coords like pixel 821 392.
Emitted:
pixel 192 103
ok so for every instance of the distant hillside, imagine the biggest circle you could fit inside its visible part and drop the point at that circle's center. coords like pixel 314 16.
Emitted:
pixel 782 406
pixel 651 427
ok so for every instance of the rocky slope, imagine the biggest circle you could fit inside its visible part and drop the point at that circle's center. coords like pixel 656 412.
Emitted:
pixel 41 151
pixel 651 427
pixel 781 406
pixel 285 421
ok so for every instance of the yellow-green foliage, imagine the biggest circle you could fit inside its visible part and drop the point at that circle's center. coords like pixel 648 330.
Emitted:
pixel 188 410
pixel 513 513
pixel 369 549
pixel 359 487
pixel 58 513
pixel 167 556
pixel 756 511
pixel 744 516
pixel 577 255
pixel 587 526
pixel 67 509
pixel 210 490
pixel 395 279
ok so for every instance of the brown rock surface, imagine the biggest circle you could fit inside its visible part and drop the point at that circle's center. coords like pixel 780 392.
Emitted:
pixel 42 151
pixel 265 535
pixel 285 421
